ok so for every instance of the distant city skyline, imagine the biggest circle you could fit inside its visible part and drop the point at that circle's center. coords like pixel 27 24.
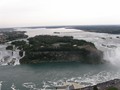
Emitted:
pixel 21 13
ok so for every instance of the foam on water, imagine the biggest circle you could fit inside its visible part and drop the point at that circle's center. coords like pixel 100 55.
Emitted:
pixel 9 57
pixel 87 79
pixel 13 87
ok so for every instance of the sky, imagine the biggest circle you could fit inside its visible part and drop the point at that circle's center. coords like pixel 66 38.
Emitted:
pixel 18 13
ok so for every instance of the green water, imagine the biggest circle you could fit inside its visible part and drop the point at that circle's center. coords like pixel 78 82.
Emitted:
pixel 35 75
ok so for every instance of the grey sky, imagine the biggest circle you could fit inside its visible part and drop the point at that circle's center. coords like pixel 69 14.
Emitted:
pixel 58 12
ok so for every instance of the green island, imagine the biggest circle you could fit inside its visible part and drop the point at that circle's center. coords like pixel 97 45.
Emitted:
pixel 46 48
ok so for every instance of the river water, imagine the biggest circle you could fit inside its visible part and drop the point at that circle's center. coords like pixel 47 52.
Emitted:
pixel 36 77
pixel 33 77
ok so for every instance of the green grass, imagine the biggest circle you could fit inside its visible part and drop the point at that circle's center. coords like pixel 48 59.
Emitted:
pixel 112 88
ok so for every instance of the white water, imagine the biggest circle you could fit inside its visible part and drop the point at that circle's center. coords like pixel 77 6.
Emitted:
pixel 108 43
pixel 9 57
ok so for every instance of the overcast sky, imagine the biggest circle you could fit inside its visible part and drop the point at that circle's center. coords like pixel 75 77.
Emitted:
pixel 58 12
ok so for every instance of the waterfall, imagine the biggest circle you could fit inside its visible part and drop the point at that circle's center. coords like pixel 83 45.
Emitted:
pixel 110 49
pixel 9 57
pixel 113 55
pixel 109 44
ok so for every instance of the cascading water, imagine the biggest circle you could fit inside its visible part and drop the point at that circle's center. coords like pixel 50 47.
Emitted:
pixel 113 55
pixel 9 57
pixel 108 43
pixel 110 46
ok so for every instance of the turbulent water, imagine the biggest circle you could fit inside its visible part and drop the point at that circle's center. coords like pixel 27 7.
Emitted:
pixel 9 57
pixel 37 77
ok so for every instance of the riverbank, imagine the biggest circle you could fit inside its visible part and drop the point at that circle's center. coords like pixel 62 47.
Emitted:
pixel 108 85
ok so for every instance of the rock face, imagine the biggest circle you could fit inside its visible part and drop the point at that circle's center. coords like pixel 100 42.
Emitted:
pixel 64 56
pixel 58 49
pixel 109 85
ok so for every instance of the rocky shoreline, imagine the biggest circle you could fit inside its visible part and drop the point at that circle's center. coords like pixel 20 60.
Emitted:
pixel 108 85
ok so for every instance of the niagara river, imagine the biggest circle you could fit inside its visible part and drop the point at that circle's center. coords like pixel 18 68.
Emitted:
pixel 41 76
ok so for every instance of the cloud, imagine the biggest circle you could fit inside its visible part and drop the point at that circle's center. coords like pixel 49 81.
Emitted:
pixel 57 12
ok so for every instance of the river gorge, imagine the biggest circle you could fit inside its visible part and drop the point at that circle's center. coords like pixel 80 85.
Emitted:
pixel 38 77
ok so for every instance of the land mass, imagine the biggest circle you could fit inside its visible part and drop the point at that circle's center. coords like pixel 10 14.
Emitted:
pixel 45 48
pixel 108 85
pixel 111 29
pixel 9 34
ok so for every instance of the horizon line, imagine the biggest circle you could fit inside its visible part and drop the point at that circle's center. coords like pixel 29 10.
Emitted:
pixel 57 26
